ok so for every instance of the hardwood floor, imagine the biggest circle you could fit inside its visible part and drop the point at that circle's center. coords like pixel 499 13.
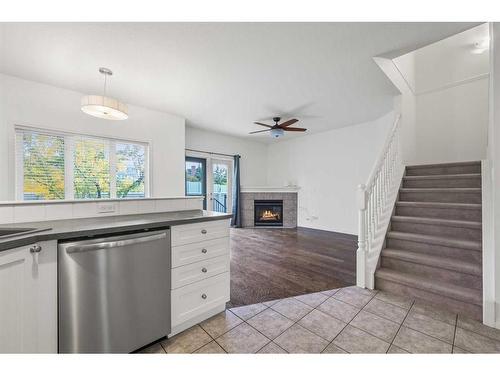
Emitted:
pixel 269 264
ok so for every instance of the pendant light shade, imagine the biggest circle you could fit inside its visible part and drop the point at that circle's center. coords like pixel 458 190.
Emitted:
pixel 103 106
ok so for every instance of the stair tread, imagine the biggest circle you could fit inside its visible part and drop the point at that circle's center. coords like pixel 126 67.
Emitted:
pixel 439 190
pixel 436 240
pixel 465 206
pixel 472 296
pixel 434 221
pixel 434 261
pixel 443 165
pixel 442 176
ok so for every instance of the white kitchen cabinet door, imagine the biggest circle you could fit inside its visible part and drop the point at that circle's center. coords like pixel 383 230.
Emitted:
pixel 28 299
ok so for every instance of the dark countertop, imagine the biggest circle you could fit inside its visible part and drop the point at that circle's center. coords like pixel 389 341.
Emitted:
pixel 75 228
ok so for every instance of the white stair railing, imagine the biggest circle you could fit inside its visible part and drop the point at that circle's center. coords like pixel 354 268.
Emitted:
pixel 376 200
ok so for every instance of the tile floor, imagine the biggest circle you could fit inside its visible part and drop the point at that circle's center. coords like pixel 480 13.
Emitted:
pixel 346 320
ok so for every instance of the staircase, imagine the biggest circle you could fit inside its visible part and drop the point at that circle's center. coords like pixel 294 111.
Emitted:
pixel 434 242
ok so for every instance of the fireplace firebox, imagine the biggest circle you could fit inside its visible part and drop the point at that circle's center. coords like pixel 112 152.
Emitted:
pixel 268 213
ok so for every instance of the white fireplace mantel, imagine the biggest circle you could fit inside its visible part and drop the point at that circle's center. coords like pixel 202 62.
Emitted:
pixel 270 189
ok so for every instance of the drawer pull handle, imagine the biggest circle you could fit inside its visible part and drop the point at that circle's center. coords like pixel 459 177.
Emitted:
pixel 203 231
pixel 35 249
pixel 204 251
pixel 204 296
pixel 204 270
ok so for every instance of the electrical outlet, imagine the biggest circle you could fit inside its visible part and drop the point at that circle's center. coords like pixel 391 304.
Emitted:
pixel 106 207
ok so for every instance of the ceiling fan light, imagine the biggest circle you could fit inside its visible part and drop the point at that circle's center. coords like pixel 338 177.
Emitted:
pixel 277 132
pixel 104 107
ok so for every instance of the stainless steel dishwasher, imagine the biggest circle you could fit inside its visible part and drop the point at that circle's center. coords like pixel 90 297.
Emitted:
pixel 114 292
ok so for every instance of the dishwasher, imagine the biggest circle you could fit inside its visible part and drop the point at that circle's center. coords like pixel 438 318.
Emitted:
pixel 114 292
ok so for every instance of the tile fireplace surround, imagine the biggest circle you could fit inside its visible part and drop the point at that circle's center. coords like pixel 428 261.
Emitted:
pixel 289 206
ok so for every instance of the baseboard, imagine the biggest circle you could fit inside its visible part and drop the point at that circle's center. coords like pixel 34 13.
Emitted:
pixel 347 236
pixel 198 319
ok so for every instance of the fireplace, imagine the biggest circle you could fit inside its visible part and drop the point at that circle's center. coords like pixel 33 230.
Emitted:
pixel 268 213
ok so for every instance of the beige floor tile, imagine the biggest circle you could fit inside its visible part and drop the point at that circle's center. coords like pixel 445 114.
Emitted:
pixel 395 350
pixel 272 348
pixel 291 308
pixel 338 309
pixel 477 327
pixel 220 323
pixel 400 301
pixel 322 324
pixel 246 312
pixel 416 342
pixel 330 292
pixel 270 323
pixel 153 349
pixel 211 348
pixel 431 327
pixel 356 297
pixel 357 289
pixel 270 303
pixel 297 339
pixel 313 299
pixel 242 339
pixel 386 310
pixel 457 350
pixel 382 328
pixel 434 312
pixel 354 340
pixel 475 343
pixel 187 341
pixel 333 349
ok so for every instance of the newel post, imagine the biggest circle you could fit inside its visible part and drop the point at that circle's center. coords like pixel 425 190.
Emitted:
pixel 361 253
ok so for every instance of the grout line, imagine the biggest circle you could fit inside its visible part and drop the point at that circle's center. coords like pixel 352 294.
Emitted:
pixel 399 329
pixel 342 330
pixel 454 334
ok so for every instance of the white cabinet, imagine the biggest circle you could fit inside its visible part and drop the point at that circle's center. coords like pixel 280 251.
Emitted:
pixel 200 272
pixel 28 299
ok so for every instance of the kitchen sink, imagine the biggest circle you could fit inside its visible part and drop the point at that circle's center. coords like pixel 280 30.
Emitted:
pixel 12 232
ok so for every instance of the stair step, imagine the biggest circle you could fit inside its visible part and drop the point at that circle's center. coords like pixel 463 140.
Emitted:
pixel 454 298
pixel 435 268
pixel 434 261
pixel 438 210
pixel 443 195
pixel 442 169
pixel 443 181
pixel 437 240
pixel 460 229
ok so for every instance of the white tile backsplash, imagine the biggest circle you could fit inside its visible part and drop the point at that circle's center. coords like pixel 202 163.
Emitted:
pixel 23 214
pixel 34 211
pixel 58 211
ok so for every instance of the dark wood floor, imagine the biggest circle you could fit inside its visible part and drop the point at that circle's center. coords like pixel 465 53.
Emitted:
pixel 268 264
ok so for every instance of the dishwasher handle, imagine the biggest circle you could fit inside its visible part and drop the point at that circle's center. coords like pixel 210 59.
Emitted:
pixel 112 244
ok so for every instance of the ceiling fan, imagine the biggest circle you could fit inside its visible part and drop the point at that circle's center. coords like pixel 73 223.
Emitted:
pixel 278 130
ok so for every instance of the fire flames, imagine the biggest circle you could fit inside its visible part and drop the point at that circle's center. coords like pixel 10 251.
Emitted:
pixel 269 215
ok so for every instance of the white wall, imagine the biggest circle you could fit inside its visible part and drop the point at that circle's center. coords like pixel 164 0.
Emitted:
pixel 445 89
pixel 253 160
pixel 30 103
pixel 452 123
pixel 328 167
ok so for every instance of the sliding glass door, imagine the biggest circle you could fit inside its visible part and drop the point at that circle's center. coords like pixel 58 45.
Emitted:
pixel 211 178
pixel 196 178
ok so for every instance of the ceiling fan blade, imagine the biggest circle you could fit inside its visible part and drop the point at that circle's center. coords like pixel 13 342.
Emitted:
pixel 260 131
pixel 288 123
pixel 260 123
pixel 295 129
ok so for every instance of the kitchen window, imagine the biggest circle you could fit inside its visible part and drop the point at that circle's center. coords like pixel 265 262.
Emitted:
pixel 52 166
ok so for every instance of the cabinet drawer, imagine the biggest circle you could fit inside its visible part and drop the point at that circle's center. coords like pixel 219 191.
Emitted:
pixel 198 232
pixel 197 298
pixel 193 272
pixel 195 252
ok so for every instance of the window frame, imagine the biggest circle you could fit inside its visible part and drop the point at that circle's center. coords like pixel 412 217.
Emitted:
pixel 69 138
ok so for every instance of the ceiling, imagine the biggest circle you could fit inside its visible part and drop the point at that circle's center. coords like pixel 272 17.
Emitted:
pixel 224 76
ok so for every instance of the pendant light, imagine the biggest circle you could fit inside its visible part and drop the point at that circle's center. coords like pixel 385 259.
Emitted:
pixel 103 106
